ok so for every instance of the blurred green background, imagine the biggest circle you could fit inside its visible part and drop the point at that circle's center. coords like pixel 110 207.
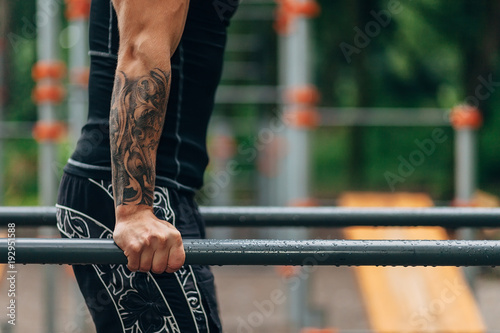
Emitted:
pixel 431 55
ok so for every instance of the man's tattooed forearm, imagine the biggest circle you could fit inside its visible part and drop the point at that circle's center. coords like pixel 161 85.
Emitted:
pixel 137 113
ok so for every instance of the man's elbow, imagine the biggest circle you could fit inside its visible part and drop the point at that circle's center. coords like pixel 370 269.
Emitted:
pixel 144 52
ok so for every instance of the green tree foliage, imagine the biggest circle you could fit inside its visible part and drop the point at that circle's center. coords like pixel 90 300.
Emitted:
pixel 20 171
pixel 425 54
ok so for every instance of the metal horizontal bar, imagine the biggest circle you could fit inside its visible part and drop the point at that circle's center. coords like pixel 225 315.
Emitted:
pixel 327 217
pixel 243 42
pixel 16 130
pixel 268 252
pixel 254 14
pixel 241 70
pixel 28 216
pixel 258 2
pixel 449 217
pixel 383 117
pixel 246 95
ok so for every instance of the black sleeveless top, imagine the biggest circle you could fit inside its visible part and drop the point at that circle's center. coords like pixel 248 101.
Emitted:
pixel 196 70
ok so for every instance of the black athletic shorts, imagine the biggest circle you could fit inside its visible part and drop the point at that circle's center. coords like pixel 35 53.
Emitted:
pixel 121 301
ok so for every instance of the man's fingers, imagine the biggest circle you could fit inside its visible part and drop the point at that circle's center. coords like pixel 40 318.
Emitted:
pixel 160 257
pixel 160 260
pixel 176 257
pixel 133 253
pixel 158 250
pixel 146 259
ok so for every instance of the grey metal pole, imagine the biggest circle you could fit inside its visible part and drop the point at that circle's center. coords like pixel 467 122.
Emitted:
pixel 78 66
pixel 283 60
pixel 297 75
pixel 465 161
pixel 48 51
pixel 270 252
pixel 48 27
pixel 268 160
pixel 77 13
pixel 295 317
pixel 220 184
pixel 466 120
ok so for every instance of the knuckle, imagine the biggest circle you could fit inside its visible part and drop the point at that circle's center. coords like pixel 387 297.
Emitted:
pixel 117 237
pixel 162 242
pixel 177 261
pixel 146 240
pixel 132 267
pixel 134 248
pixel 176 236
pixel 145 267
pixel 157 238
pixel 158 269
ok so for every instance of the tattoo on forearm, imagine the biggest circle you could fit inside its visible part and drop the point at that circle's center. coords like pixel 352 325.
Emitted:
pixel 138 108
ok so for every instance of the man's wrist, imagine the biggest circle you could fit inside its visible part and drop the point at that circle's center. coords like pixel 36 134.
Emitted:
pixel 125 212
